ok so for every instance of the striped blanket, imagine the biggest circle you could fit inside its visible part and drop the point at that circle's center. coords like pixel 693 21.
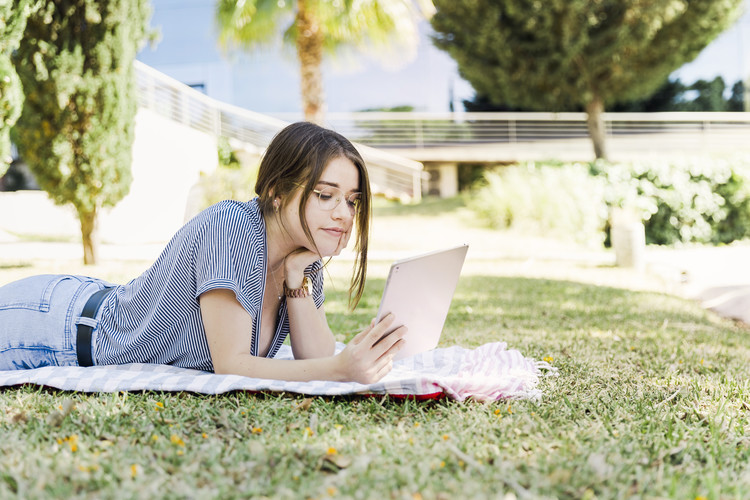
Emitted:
pixel 487 373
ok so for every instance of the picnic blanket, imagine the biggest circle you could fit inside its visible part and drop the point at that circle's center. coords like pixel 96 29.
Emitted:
pixel 487 373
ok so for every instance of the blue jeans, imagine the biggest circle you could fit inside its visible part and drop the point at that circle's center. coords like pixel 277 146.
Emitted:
pixel 38 318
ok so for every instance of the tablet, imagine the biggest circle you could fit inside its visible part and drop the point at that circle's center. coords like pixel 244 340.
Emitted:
pixel 419 291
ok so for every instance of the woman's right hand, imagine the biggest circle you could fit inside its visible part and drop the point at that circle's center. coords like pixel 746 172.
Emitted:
pixel 364 359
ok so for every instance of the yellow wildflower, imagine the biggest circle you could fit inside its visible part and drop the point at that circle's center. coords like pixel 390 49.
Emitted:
pixel 133 470
pixel 332 450
pixel 176 440
pixel 548 359
pixel 259 430
pixel 73 442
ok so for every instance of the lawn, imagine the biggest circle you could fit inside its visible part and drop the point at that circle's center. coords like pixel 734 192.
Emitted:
pixel 651 400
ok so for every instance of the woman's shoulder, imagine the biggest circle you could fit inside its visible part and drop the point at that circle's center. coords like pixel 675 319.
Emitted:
pixel 230 213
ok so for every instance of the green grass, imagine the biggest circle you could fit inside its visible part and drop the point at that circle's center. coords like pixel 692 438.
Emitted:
pixel 652 400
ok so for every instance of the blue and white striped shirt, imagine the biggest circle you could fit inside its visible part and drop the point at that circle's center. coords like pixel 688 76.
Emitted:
pixel 156 317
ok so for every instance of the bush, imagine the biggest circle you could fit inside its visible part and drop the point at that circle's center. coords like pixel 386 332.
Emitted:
pixel 696 201
pixel 563 201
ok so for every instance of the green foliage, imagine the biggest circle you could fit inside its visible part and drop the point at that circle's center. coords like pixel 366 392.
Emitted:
pixel 76 129
pixel 227 157
pixel 672 95
pixel 13 15
pixel 559 54
pixel 562 53
pixel 367 25
pixel 560 201
pixel 698 201
pixel 317 27
pixel 737 100
pixel 234 182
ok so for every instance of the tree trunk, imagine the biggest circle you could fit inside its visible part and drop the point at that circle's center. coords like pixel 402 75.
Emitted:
pixel 310 54
pixel 595 123
pixel 89 236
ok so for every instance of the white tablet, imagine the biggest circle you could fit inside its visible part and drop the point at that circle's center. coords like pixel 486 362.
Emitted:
pixel 419 291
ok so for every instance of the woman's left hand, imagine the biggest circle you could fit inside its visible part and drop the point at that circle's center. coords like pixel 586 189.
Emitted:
pixel 295 264
pixel 343 241
pixel 298 260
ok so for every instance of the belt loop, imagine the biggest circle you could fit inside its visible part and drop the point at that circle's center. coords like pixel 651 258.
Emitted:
pixel 83 337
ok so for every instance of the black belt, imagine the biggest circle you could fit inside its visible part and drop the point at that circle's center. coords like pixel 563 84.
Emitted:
pixel 83 339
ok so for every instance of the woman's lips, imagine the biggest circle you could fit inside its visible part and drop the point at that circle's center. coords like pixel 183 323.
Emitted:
pixel 334 231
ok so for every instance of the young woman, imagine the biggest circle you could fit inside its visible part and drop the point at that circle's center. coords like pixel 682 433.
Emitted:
pixel 230 286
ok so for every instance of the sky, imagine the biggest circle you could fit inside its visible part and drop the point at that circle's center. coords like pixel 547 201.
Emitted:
pixel 267 81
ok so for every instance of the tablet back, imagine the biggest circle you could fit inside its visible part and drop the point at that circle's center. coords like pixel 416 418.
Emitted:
pixel 419 291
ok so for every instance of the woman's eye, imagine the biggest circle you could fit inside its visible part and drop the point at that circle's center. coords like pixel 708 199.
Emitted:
pixel 325 196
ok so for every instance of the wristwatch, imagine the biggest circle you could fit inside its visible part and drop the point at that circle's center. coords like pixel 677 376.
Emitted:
pixel 298 293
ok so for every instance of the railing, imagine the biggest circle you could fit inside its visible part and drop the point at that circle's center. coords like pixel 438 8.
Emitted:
pixel 426 130
pixel 390 174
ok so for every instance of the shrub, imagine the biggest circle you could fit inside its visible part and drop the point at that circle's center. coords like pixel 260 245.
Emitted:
pixel 693 201
pixel 561 201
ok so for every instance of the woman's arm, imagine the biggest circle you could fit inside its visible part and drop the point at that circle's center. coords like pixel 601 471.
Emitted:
pixel 309 333
pixel 227 325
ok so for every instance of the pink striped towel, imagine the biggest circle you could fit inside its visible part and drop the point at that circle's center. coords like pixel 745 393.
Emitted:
pixel 488 373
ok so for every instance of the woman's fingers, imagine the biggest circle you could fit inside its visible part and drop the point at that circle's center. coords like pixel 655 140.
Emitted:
pixel 343 241
pixel 383 336
pixel 370 355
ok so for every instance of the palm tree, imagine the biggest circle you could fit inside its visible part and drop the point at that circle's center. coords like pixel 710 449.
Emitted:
pixel 317 27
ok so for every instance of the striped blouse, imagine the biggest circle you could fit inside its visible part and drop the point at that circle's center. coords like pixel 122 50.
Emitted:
pixel 156 317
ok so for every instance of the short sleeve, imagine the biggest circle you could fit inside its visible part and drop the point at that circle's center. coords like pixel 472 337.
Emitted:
pixel 227 256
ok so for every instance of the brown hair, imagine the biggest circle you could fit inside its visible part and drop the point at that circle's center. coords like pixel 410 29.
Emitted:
pixel 296 157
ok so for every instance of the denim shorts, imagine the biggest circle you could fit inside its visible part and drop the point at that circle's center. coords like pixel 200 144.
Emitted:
pixel 38 318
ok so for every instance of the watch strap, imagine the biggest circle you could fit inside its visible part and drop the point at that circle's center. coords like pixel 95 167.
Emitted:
pixel 298 293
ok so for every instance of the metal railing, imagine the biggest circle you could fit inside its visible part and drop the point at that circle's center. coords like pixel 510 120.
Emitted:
pixel 390 174
pixel 426 130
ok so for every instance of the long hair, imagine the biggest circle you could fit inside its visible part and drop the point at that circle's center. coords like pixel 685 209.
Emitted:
pixel 296 157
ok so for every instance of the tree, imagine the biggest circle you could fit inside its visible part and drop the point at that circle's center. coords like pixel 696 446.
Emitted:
pixel 316 27
pixel 737 100
pixel 75 62
pixel 710 95
pixel 668 97
pixel 562 53
pixel 13 15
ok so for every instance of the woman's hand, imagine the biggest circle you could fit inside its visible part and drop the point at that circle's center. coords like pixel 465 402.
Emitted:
pixel 367 358
pixel 295 264
pixel 343 241
pixel 298 260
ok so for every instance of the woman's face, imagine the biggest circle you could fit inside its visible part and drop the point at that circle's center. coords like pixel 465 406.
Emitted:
pixel 331 226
